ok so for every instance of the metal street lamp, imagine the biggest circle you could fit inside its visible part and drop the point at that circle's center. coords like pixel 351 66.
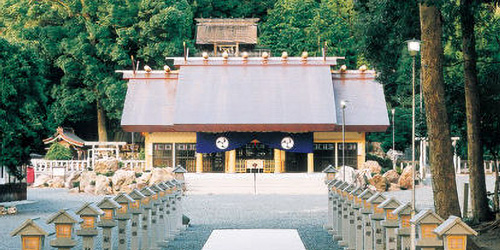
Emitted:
pixel 413 49
pixel 343 105
pixel 393 143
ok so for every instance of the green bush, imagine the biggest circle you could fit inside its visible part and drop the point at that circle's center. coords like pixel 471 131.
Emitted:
pixel 59 152
pixel 92 183
pixel 142 154
pixel 76 184
pixel 137 175
pixel 385 163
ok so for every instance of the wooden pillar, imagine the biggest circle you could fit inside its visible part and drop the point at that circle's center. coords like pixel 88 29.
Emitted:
pixel 310 163
pixel 277 161
pixel 232 161
pixel 199 163
pixel 215 49
pixel 237 53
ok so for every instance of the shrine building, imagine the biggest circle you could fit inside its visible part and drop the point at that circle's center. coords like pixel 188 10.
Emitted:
pixel 233 114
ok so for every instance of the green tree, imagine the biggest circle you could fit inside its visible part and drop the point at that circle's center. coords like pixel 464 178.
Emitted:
pixel 22 105
pixel 58 151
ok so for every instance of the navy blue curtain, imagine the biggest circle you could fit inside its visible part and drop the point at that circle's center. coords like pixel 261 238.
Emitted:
pixel 206 142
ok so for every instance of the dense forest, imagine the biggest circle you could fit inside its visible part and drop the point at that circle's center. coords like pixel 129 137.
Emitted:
pixel 59 57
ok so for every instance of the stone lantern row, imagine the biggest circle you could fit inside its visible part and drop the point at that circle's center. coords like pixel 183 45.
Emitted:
pixel 154 214
pixel 363 219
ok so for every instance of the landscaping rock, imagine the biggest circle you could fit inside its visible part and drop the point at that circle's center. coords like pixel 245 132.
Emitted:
pixel 363 177
pixel 41 180
pixel 90 189
pixel 122 178
pixel 106 166
pixel 56 182
pixel 350 174
pixel 86 178
pixel 102 185
pixel 143 180
pixel 379 182
pixel 406 179
pixel 392 176
pixel 393 187
pixel 159 175
pixel 12 210
pixel 373 166
pixel 74 190
pixel 73 177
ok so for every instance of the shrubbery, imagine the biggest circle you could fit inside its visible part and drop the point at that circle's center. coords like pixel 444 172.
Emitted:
pixel 59 152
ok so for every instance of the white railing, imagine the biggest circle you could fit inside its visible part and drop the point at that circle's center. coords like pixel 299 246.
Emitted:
pixel 136 165
pixel 43 166
pixel 462 168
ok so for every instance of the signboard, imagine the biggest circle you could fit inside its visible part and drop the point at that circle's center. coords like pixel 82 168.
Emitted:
pixel 255 164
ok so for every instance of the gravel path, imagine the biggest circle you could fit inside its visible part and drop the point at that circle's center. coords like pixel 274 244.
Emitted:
pixel 227 201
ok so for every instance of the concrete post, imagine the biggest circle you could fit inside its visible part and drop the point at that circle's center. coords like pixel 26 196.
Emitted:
pixel 334 212
pixel 338 227
pixel 134 231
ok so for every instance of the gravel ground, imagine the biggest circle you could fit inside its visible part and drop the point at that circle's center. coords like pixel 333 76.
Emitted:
pixel 227 201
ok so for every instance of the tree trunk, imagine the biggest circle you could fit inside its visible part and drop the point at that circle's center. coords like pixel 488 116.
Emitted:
pixel 441 155
pixel 101 123
pixel 480 209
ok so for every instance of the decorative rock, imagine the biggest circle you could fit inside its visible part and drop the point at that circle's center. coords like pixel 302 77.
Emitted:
pixel 57 182
pixel 405 181
pixel 74 190
pixel 379 182
pixel 363 177
pixel 12 210
pixel 393 187
pixel 102 185
pixel 373 166
pixel 392 176
pixel 350 174
pixel 122 178
pixel 73 177
pixel 90 189
pixel 41 180
pixel 143 180
pixel 159 175
pixel 105 166
pixel 3 211
pixel 86 178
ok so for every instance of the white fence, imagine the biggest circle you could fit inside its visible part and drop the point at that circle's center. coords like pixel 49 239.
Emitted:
pixel 61 168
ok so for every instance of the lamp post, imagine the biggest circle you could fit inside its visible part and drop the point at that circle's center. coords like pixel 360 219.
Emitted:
pixel 343 105
pixel 393 143
pixel 413 49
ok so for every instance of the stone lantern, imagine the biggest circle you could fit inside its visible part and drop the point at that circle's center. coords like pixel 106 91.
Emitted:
pixel 366 210
pixel 89 214
pixel 123 215
pixel 32 235
pixel 329 225
pixel 425 222
pixel 358 217
pixel 156 224
pixel 338 210
pixel 377 217
pixel 330 172
pixel 109 207
pixel 179 172
pixel 403 232
pixel 454 233
pixel 135 209
pixel 390 223
pixel 147 205
pixel 347 215
pixel 64 221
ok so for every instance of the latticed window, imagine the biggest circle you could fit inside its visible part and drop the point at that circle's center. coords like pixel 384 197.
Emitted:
pixel 427 231
pixel 31 242
pixel 185 155
pixel 162 155
pixel 88 222
pixel 108 214
pixel 391 216
pixel 63 231
pixel 405 221
pixel 324 155
pixel 456 242
pixel 351 154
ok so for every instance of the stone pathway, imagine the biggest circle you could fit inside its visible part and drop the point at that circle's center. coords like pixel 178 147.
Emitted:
pixel 254 239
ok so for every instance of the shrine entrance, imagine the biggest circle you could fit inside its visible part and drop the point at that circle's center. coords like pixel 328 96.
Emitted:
pixel 295 162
